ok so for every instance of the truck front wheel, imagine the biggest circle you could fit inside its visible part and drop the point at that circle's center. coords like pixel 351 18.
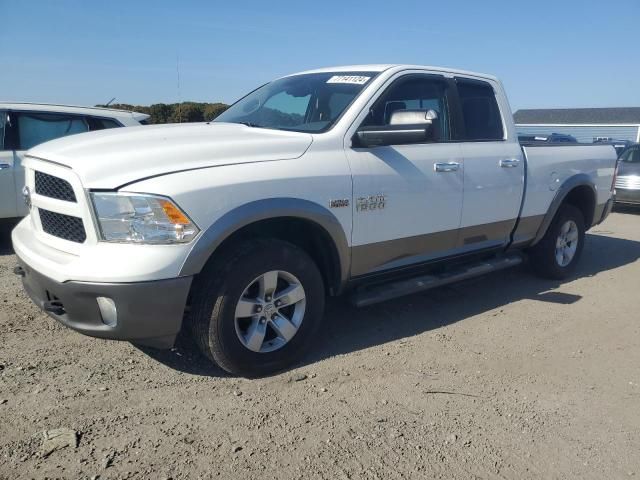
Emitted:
pixel 256 308
pixel 557 254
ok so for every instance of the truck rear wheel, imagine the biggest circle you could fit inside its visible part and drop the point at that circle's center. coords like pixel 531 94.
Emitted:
pixel 257 307
pixel 557 254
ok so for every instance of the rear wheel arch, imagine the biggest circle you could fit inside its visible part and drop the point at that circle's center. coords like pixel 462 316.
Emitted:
pixel 303 223
pixel 578 191
pixel 557 254
pixel 583 197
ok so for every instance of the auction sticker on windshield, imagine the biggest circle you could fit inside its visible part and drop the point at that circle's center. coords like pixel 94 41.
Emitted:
pixel 354 79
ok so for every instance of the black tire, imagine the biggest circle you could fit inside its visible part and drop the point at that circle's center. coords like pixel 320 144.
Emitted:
pixel 219 287
pixel 543 254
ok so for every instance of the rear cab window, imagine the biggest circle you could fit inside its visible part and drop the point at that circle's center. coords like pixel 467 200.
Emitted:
pixel 481 118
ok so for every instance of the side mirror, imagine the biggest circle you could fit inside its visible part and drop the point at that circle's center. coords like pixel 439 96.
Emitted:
pixel 405 126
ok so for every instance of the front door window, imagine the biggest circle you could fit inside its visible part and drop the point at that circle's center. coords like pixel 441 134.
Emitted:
pixel 36 128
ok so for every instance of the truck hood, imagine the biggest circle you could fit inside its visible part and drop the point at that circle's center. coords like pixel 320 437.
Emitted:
pixel 112 158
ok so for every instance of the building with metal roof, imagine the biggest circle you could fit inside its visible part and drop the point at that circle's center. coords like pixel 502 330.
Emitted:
pixel 585 124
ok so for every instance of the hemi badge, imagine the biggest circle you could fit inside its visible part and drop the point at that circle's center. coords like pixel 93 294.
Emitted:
pixel 339 203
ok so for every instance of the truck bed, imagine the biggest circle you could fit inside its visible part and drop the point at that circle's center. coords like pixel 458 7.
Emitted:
pixel 548 166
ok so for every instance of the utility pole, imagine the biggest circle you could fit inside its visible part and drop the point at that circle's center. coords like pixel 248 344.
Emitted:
pixel 179 96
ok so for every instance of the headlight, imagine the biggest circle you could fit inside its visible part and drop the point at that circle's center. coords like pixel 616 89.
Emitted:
pixel 138 218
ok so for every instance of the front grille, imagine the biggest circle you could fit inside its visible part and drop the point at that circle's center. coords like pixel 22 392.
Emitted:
pixel 62 226
pixel 54 187
pixel 628 182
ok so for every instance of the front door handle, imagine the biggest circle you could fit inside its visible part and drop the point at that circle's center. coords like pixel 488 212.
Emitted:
pixel 4 165
pixel 446 167
pixel 509 163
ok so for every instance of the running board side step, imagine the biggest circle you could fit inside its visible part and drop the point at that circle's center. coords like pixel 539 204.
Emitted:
pixel 387 291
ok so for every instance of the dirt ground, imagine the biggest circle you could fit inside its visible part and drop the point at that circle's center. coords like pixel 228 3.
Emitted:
pixel 506 376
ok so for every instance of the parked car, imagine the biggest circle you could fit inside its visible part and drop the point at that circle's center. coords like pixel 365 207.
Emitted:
pixel 628 177
pixel 371 181
pixel 25 125
pixel 619 145
pixel 553 138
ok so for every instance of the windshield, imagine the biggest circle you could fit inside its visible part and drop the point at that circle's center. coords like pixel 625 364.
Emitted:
pixel 631 155
pixel 309 102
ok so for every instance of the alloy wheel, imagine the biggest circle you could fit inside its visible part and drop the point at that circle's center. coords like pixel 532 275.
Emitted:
pixel 567 243
pixel 270 311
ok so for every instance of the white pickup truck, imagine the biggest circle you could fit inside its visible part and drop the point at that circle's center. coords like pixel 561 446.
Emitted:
pixel 376 181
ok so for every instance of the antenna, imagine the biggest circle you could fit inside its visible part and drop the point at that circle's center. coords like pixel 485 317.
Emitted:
pixel 109 102
pixel 179 96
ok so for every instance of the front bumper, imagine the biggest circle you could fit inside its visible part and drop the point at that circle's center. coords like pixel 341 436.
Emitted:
pixel 149 313
pixel 607 210
pixel 601 213
pixel 628 196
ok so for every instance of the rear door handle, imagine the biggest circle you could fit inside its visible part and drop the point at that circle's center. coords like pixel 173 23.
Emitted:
pixel 446 167
pixel 509 163
pixel 4 166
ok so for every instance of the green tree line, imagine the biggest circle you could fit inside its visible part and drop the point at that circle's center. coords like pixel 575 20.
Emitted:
pixel 176 112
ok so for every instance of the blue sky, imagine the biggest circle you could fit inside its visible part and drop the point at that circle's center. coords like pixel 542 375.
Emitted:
pixel 562 53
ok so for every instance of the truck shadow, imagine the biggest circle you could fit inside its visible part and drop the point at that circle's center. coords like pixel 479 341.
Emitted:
pixel 430 310
pixel 349 329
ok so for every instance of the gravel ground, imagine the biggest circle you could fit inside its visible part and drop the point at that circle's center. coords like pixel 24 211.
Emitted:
pixel 506 376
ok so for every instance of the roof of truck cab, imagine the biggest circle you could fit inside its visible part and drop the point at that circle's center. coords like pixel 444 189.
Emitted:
pixel 384 67
pixel 52 107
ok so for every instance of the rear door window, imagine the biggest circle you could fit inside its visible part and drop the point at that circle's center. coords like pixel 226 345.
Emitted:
pixel 480 111
pixel 96 123
pixel 37 128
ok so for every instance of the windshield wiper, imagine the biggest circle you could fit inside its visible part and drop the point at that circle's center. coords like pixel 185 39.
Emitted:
pixel 251 124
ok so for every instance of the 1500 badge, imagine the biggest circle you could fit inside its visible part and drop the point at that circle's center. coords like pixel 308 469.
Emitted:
pixel 372 202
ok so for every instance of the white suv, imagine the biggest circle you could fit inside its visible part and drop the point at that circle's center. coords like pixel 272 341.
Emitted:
pixel 25 125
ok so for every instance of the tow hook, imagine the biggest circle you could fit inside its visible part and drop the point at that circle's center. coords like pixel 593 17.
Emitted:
pixel 54 306
pixel 18 270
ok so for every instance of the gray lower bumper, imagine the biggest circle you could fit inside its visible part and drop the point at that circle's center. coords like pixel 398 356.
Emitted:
pixel 603 212
pixel 624 195
pixel 149 313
